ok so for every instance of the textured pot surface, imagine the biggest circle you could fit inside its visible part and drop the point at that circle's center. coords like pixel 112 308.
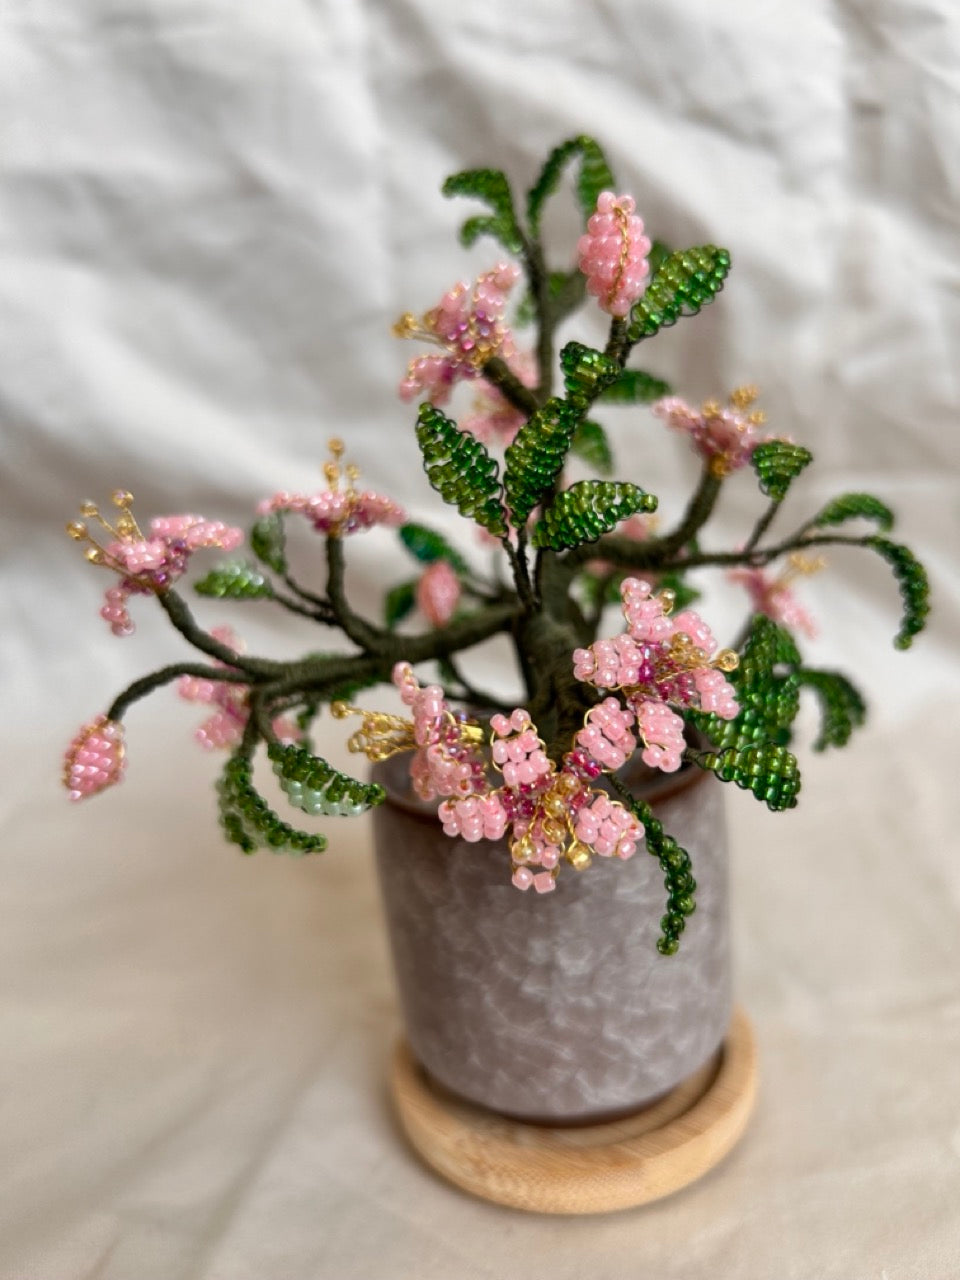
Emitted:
pixel 555 1007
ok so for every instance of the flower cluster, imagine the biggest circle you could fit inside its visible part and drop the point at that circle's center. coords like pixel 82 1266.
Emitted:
pixel 725 435
pixel 224 728
pixel 148 564
pixel 613 254
pixel 468 323
pixel 334 511
pixel 447 760
pixel 659 663
pixel 94 759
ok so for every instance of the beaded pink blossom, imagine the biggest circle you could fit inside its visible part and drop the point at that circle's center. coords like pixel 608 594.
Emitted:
pixel 438 593
pixel 334 511
pixel 726 435
pixel 447 761
pixel 774 595
pixel 95 759
pixel 658 663
pixel 225 727
pixel 468 324
pixel 613 254
pixel 147 563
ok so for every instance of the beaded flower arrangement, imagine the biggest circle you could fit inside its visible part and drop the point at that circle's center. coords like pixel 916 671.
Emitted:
pixel 544 776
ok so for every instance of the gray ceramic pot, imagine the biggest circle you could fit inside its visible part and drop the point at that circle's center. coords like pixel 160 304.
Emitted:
pixel 555 1008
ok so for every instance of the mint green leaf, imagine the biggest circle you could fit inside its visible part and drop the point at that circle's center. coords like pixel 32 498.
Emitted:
pixel 234 580
pixel 314 786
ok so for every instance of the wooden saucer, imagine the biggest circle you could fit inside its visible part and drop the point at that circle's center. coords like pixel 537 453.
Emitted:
pixel 595 1168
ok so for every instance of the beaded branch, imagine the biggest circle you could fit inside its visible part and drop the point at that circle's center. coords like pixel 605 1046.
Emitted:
pixel 546 775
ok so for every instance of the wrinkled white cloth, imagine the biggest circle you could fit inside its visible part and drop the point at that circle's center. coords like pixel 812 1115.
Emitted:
pixel 209 215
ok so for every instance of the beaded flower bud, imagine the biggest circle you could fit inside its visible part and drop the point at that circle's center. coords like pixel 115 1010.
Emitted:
pixel 613 254
pixel 773 594
pixel 338 511
pixel 438 593
pixel 724 435
pixel 95 759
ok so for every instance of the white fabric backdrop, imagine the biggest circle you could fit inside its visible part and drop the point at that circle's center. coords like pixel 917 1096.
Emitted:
pixel 209 214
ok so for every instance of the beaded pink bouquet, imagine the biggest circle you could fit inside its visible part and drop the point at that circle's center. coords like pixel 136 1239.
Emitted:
pixel 544 775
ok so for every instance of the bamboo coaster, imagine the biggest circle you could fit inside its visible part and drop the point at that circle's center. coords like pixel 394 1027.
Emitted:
pixel 595 1168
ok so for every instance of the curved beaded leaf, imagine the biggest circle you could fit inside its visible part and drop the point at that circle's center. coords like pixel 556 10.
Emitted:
pixel 315 786
pixel 492 187
pixel 586 372
pixel 235 580
pixel 427 545
pixel 268 541
pixel 777 464
pixel 249 822
pixel 587 510
pixel 841 706
pixel 460 469
pixel 594 177
pixel 854 506
pixel 768 770
pixel 659 253
pixel 535 458
pixel 591 444
pixel 675 864
pixel 767 690
pixel 398 603
pixel 914 587
pixel 635 387
pixel 685 282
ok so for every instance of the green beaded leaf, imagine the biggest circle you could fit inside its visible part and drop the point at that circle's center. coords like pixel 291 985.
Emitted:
pixel 594 177
pixel 316 787
pixel 268 541
pixel 591 444
pixel 398 603
pixel 767 690
pixel 635 387
pixel 235 580
pixel 659 253
pixel 587 510
pixel 777 464
pixel 249 822
pixel 685 282
pixel 535 458
pixel 768 770
pixel 678 872
pixel 842 708
pixel 914 587
pixel 854 506
pixel 460 469
pixel 427 545
pixel 492 187
pixel 586 372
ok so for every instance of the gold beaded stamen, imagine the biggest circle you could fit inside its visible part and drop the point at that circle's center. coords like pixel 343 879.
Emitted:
pixel 382 735
pixel 125 529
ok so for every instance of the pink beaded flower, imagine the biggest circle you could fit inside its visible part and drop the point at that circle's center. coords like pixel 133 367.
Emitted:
pixel 493 418
pixel 438 592
pixel 95 759
pixel 658 663
pixel 224 728
pixel 148 564
pixel 447 760
pixel 613 254
pixel 468 324
pixel 774 595
pixel 725 435
pixel 334 511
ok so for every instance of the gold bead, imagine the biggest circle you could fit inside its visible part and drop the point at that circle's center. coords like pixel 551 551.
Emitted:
pixel 553 831
pixel 121 498
pixel 340 710
pixel 743 397
pixel 336 446
pixel 94 555
pixel 578 855
pixel 405 325
pixel 77 531
pixel 554 806
pixel 522 850
pixel 727 660
pixel 668 599
pixel 566 784
pixel 89 509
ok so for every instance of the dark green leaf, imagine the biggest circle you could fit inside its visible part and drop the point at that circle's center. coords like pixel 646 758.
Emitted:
pixel 591 444
pixel 427 545
pixel 767 770
pixel 854 506
pixel 398 603
pixel 268 541
pixel 587 510
pixel 249 822
pixel 586 372
pixel 685 282
pixel 635 387
pixel 914 587
pixel 460 469
pixel 234 580
pixel 841 706
pixel 594 177
pixel 777 464
pixel 674 863
pixel 535 458
pixel 490 186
